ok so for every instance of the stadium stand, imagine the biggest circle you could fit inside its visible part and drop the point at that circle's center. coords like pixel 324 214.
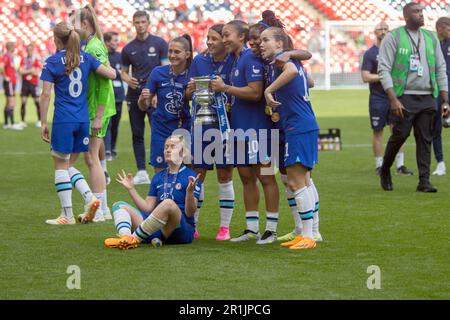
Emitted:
pixel 27 21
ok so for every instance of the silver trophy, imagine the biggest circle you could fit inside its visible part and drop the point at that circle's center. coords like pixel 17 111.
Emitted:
pixel 204 97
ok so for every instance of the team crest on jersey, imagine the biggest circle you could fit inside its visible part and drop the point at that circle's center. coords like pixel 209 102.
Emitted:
pixel 159 159
pixel 86 141
pixel 374 123
pixel 170 107
pixel 151 49
pixel 178 186
pixel 255 71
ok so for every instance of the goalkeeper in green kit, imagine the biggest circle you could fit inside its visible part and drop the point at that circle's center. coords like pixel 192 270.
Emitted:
pixel 101 103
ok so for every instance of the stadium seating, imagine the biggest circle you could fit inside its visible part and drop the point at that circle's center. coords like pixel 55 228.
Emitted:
pixel 27 21
pixel 349 10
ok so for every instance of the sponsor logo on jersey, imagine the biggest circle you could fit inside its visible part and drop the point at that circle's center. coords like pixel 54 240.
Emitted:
pixel 170 107
pixel 256 71
pixel 236 73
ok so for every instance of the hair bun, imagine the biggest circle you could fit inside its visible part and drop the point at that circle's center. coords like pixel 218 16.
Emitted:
pixel 268 14
pixel 70 27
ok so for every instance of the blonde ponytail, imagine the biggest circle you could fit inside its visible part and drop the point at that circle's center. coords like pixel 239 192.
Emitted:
pixel 71 41
pixel 88 13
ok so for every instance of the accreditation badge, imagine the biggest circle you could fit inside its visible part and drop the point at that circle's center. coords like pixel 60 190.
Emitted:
pixel 414 63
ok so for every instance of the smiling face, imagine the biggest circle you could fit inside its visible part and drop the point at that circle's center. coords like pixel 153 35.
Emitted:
pixel 232 39
pixel 255 41
pixel 214 42
pixel 178 55
pixel 269 45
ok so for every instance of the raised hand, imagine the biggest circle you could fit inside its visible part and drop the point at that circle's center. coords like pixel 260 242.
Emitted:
pixel 125 180
pixel 192 183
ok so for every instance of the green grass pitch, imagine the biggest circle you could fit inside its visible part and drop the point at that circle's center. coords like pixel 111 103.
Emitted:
pixel 404 233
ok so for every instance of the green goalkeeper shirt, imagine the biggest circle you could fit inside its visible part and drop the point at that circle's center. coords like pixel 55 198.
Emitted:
pixel 100 89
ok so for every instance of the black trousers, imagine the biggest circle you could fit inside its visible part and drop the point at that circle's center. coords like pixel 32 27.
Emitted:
pixel 113 129
pixel 421 117
pixel 137 121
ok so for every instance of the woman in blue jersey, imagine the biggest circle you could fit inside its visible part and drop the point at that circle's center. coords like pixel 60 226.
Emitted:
pixel 288 93
pixel 252 130
pixel 214 62
pixel 167 213
pixel 270 20
pixel 168 83
pixel 68 71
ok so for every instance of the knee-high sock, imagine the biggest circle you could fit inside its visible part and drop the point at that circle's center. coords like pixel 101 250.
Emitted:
pixel 122 221
pixel 38 109
pixel 11 115
pixel 305 204
pixel 252 219
pixel 79 183
pixel 199 204
pixel 226 201
pixel 104 203
pixel 293 206
pixel 148 227
pixel 64 191
pixel 316 208
pixel 23 111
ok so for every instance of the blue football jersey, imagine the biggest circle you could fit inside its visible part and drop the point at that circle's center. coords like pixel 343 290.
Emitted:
pixel 296 113
pixel 172 105
pixel 247 114
pixel 166 185
pixel 204 65
pixel 71 101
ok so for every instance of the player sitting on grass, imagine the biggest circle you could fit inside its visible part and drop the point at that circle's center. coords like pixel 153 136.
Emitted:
pixel 68 71
pixel 167 213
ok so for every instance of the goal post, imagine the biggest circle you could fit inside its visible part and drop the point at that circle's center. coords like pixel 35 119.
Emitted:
pixel 345 44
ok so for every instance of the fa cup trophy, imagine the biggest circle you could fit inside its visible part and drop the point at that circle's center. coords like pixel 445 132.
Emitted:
pixel 204 97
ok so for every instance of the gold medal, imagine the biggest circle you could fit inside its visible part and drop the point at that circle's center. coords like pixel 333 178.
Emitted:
pixel 275 117
pixel 268 110
pixel 228 107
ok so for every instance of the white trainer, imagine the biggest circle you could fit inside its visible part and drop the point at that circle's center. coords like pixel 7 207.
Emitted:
pixel 17 126
pixel 61 220
pixel 440 169
pixel 38 124
pixel 141 177
pixel 99 217
pixel 107 214
pixel 6 126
